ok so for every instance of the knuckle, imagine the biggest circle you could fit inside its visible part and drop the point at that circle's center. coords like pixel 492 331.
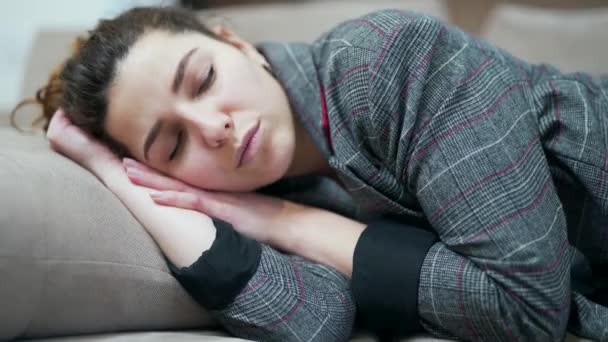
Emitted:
pixel 197 202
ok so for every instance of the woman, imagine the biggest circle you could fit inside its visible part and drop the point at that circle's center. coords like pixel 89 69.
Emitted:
pixel 479 179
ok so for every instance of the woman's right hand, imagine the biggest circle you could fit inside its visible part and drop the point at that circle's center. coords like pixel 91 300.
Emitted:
pixel 76 144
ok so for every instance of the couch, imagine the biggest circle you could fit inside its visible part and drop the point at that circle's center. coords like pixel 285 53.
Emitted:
pixel 77 266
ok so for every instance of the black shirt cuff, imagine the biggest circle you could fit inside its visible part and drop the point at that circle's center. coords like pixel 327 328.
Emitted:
pixel 221 272
pixel 386 271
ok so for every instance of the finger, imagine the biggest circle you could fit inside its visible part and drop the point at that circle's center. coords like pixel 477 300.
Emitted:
pixel 134 164
pixel 205 204
pixel 178 199
pixel 155 180
pixel 129 162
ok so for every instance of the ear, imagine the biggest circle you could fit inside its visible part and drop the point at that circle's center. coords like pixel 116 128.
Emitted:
pixel 235 40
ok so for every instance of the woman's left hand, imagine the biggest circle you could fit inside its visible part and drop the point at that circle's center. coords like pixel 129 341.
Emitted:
pixel 78 145
pixel 254 215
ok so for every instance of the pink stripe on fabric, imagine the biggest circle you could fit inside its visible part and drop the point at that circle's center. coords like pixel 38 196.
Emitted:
pixel 355 112
pixel 485 179
pixel 371 25
pixel 465 80
pixel 301 296
pixel 421 65
pixel 251 288
pixel 515 214
pixel 385 47
pixel 467 123
pixel 346 76
pixel 476 72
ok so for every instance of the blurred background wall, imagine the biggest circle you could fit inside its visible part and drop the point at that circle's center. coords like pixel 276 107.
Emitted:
pixel 29 28
pixel 22 21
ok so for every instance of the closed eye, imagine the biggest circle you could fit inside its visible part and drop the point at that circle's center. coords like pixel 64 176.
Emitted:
pixel 178 145
pixel 207 82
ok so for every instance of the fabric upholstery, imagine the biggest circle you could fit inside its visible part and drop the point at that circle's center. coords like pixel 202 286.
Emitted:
pixel 72 257
pixel 63 236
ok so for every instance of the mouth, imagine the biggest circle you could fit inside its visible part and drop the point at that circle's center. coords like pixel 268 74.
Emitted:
pixel 246 143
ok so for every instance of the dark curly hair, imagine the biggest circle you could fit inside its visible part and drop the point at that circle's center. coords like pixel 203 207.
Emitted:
pixel 80 85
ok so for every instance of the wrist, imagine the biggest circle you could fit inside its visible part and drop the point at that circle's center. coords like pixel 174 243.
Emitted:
pixel 106 171
pixel 319 235
pixel 283 236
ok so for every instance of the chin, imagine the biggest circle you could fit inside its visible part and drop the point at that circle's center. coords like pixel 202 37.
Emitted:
pixel 271 172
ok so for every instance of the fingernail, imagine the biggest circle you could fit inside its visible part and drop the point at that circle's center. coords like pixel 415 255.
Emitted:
pixel 128 161
pixel 156 195
pixel 132 171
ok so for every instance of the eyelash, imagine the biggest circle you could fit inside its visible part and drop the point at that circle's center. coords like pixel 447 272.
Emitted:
pixel 178 144
pixel 207 82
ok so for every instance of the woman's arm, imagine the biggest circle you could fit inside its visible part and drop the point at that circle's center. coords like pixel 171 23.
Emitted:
pixel 181 234
pixel 313 233
pixel 321 236
pixel 466 147
pixel 182 243
pixel 268 307
pixel 365 252
pixel 278 298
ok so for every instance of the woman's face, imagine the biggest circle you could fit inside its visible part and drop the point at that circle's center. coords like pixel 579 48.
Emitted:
pixel 184 103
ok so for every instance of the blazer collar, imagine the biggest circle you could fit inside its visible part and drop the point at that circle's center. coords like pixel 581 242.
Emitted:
pixel 294 67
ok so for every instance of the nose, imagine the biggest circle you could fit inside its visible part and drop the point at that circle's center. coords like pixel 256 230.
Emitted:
pixel 214 127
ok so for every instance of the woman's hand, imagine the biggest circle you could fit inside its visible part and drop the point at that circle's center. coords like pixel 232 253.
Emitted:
pixel 255 215
pixel 76 144
pixel 181 234
pixel 314 233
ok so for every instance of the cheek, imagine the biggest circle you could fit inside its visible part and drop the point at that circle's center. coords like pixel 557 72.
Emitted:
pixel 199 170
pixel 242 85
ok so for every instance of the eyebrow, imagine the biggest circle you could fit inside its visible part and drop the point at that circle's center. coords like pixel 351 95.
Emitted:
pixel 177 82
pixel 151 137
pixel 181 67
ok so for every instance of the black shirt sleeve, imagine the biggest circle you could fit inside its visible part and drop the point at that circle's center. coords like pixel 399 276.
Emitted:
pixel 386 269
pixel 221 272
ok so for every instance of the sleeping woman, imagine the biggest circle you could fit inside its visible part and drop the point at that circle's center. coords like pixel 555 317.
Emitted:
pixel 479 180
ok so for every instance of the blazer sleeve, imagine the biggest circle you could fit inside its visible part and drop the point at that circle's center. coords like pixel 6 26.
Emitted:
pixel 459 118
pixel 258 293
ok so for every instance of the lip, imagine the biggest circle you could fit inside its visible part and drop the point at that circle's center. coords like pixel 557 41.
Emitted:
pixel 245 144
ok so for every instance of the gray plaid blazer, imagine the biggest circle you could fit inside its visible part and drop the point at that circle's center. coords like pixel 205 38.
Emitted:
pixel 504 160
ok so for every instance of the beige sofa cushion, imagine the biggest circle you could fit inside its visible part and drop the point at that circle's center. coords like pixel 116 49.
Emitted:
pixel 571 40
pixel 73 260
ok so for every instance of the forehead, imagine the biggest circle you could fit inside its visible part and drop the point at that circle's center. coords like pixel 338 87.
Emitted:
pixel 141 89
pixel 156 54
pixel 154 46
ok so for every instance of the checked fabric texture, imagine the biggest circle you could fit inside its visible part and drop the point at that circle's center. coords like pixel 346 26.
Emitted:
pixel 505 161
